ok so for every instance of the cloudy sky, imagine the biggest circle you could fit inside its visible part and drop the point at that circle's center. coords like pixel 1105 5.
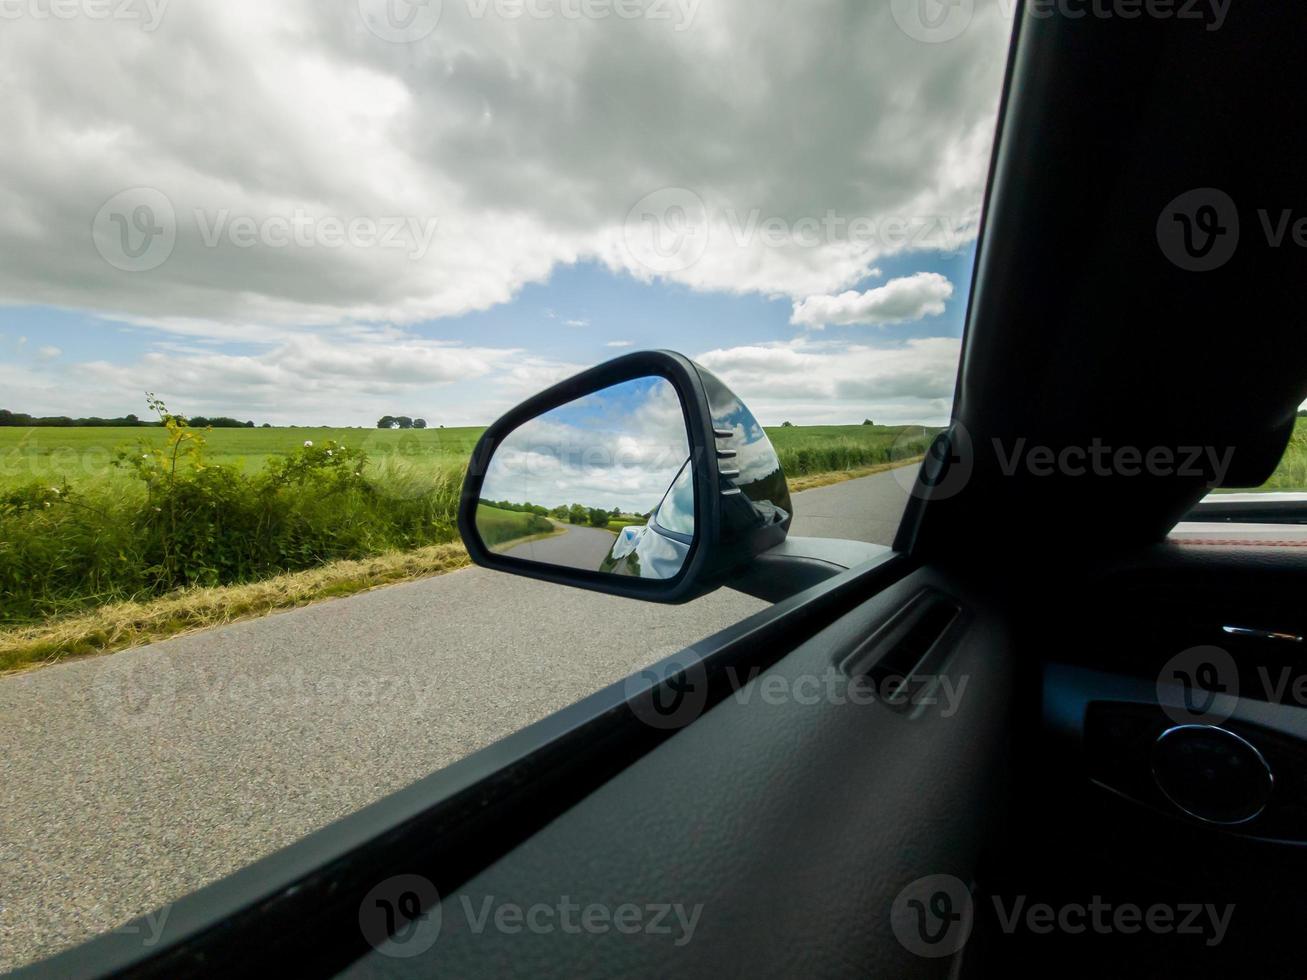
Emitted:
pixel 621 447
pixel 322 212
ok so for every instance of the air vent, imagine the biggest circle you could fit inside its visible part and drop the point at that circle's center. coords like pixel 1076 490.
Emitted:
pixel 911 644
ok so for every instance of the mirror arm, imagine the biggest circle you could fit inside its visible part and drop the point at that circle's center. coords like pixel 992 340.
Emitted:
pixel 797 564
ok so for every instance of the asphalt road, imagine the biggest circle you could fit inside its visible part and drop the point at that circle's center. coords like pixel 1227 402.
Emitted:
pixel 132 779
pixel 576 547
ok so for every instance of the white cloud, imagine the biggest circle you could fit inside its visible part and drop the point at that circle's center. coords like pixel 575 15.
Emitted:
pixel 49 352
pixel 619 448
pixel 620 343
pixel 527 141
pixel 898 301
pixel 806 382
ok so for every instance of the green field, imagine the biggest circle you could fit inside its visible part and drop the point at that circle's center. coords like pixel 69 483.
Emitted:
pixel 87 454
pixel 498 527
pixel 96 515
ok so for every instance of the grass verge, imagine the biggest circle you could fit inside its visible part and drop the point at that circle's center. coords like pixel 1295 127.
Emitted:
pixel 814 480
pixel 121 625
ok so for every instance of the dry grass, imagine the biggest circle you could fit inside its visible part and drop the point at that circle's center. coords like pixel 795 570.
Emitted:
pixel 122 625
pixel 129 624
pixel 814 480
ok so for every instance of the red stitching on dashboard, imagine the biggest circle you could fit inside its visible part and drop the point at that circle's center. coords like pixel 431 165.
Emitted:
pixel 1232 543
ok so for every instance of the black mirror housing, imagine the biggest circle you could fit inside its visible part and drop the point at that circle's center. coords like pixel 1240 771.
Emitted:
pixel 742 502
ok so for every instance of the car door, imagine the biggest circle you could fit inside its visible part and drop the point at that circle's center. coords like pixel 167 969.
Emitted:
pixel 868 778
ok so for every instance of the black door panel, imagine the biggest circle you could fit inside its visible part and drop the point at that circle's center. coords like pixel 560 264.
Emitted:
pixel 793 823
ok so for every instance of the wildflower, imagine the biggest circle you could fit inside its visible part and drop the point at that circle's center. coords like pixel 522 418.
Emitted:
pixel 330 453
pixel 47 503
pixel 308 443
pixel 55 491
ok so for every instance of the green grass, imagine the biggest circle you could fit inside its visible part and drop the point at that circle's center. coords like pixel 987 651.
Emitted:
pixel 499 527
pixel 1292 471
pixel 79 455
pixel 811 449
pixel 78 531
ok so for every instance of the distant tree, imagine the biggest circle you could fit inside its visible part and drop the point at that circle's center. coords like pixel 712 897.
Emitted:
pixel 132 419
pixel 559 513
pixel 787 425
pixel 267 425
pixel 576 514
pixel 419 423
pixel 387 422
pixel 868 422
pixel 599 518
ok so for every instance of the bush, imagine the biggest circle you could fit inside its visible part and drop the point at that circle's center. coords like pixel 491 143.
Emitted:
pixel 181 521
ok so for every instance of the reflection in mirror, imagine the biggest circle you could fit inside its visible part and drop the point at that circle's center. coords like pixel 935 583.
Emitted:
pixel 603 484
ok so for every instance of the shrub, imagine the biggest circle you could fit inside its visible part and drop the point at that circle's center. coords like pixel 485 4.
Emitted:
pixel 181 521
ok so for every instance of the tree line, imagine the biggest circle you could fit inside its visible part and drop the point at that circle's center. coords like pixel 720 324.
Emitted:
pixel 577 514
pixel 25 421
pixel 400 422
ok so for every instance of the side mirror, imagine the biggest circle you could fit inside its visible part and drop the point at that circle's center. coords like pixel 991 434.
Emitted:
pixel 645 477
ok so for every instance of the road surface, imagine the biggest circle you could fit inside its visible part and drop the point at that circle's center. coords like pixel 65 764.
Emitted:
pixel 576 547
pixel 132 779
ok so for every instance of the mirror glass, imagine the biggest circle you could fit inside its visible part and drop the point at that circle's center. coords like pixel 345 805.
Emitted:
pixel 603 483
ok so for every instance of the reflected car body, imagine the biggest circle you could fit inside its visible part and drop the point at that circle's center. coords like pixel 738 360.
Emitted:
pixel 658 548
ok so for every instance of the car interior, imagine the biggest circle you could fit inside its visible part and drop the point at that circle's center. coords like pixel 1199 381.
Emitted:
pixel 1051 729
